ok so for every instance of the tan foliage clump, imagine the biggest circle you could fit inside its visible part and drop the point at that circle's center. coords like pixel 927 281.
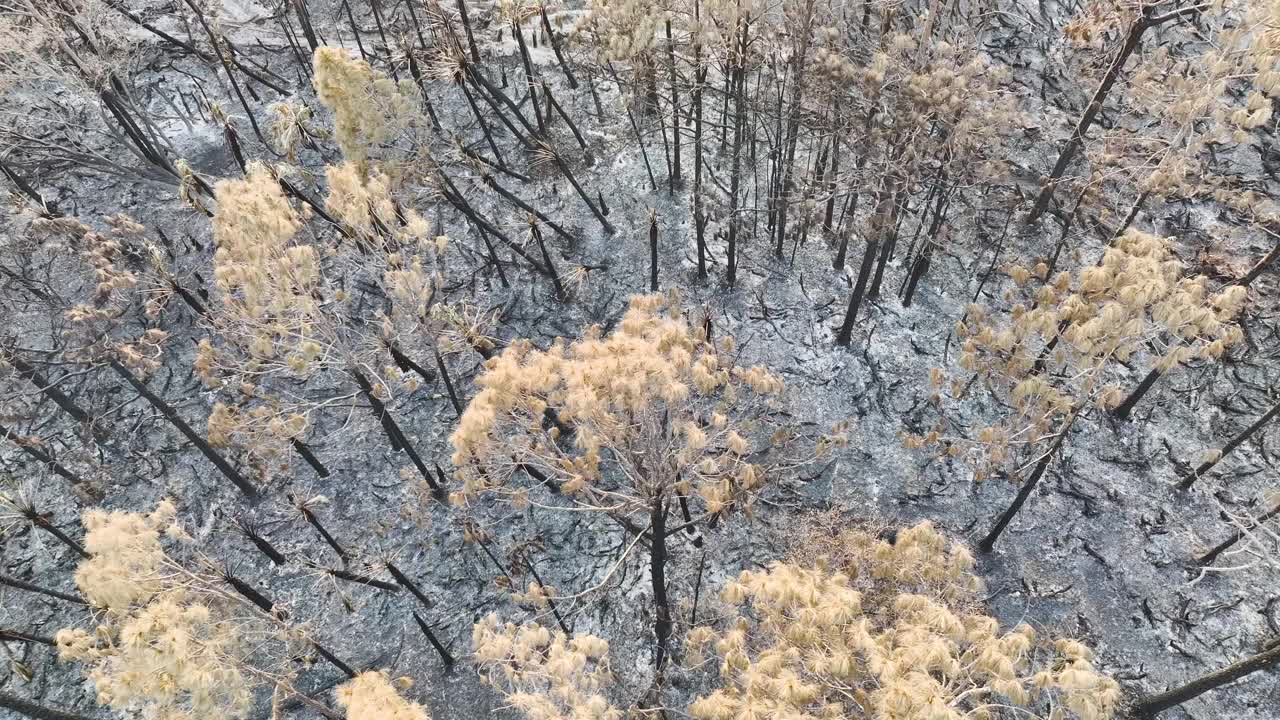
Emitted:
pixel 858 641
pixel 919 560
pixel 161 648
pixel 99 327
pixel 369 108
pixel 268 321
pixel 263 274
pixel 545 675
pixel 171 656
pixel 291 126
pixel 1058 351
pixel 371 696
pixel 126 556
pixel 362 200
pixel 653 407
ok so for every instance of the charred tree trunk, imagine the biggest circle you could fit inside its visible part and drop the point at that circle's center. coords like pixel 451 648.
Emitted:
pixel 1237 536
pixel 798 80
pixel 17 584
pixel 448 381
pixel 466 26
pixel 1151 706
pixel 675 106
pixel 989 542
pixel 887 227
pixel 38 712
pixel 1260 266
pixel 739 129
pixel 859 291
pixel 1231 445
pixel 573 127
pixel 42 457
pixel 201 444
pixel 653 251
pixel 19 636
pixel 1145 21
pixel 1123 410
pixel 546 259
pixel 515 200
pixel 699 77
pixel 329 540
pixel 440 649
pixel 658 578
pixel 26 189
pixel 43 522
pixel 399 441
pixel 304 451
pixel 555 47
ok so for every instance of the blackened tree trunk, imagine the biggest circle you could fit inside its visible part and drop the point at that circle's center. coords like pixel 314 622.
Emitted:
pixel 304 451
pixel 32 375
pixel 17 584
pixel 1145 21
pixel 515 200
pixel 1123 410
pixel 466 26
pixel 653 250
pixel 530 81
pixel 304 20
pixel 440 649
pixel 39 712
pixel 25 188
pixel 329 539
pixel 699 78
pixel 1232 444
pixel 399 441
pixel 42 457
pixel 555 47
pixel 887 227
pixel 448 381
pixel 842 251
pixel 675 106
pixel 798 79
pixel 925 258
pixel 1237 536
pixel 859 291
pixel 918 271
pixel 43 522
pixel 264 546
pixel 573 127
pixel 739 129
pixel 658 577
pixel 989 542
pixel 1149 707
pixel 829 213
pixel 547 261
pixel 7 635
pixel 201 444
pixel 1261 265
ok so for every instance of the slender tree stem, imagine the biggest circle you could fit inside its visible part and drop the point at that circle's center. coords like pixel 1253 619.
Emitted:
pixel 1151 706
pixel 989 542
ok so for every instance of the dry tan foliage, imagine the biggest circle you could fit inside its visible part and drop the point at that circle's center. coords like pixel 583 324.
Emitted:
pixel 369 108
pixel 545 675
pixel 160 648
pixel 654 408
pixel 97 325
pixel 1136 299
pixel 126 556
pixel 268 321
pixel 887 635
pixel 371 696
